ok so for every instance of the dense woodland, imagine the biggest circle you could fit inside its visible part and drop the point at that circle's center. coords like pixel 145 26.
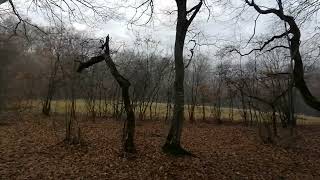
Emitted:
pixel 266 88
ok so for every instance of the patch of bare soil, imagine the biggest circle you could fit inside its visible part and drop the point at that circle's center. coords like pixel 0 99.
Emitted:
pixel 31 148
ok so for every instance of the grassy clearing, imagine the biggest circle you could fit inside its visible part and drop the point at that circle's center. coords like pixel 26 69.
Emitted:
pixel 158 110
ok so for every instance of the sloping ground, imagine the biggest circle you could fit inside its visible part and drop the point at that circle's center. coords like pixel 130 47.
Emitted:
pixel 30 148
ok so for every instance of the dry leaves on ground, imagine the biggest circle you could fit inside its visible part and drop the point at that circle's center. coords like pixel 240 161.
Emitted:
pixel 31 148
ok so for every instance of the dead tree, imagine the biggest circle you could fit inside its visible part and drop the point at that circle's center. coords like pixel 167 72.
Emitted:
pixel 129 124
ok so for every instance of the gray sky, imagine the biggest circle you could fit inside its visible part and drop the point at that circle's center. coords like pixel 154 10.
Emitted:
pixel 224 25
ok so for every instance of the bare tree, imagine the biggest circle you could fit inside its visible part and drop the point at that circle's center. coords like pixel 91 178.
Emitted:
pixel 129 125
pixel 184 19
pixel 293 35
pixel 73 9
pixel 173 141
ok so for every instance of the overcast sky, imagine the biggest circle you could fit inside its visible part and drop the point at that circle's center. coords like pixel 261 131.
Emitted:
pixel 162 24
pixel 224 25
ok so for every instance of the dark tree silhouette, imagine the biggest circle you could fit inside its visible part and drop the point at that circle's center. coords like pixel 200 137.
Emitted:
pixel 294 46
pixel 129 124
pixel 172 144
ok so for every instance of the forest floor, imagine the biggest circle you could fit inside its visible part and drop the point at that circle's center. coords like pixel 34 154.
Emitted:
pixel 31 148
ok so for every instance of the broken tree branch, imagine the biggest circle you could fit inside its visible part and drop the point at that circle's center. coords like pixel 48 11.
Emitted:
pixel 129 124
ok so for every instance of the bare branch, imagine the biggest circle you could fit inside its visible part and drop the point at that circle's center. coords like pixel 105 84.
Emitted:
pixel 22 21
pixel 192 53
pixel 264 44
pixel 294 43
pixel 91 62
pixel 195 11
pixel 254 29
pixel 261 11
pixel 275 47
pixel 148 4
pixel 277 12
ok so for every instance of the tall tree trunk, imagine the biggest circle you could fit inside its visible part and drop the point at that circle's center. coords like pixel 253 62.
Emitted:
pixel 174 135
pixel 172 144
